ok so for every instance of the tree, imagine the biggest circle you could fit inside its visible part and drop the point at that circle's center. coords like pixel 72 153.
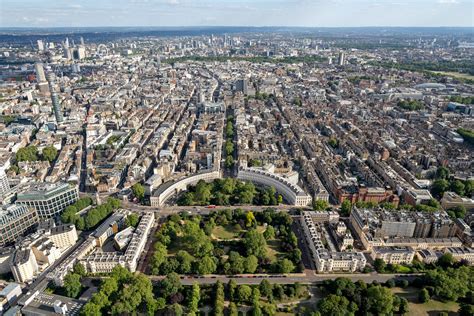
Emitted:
pixel 256 311
pixel 232 289
pixel 109 286
pixel 458 187
pixel 236 263
pixel 333 142
pixel 91 309
pixel 244 293
pixel 320 205
pixel 439 187
pixel 250 219
pixel 29 153
pixel 442 173
pixel 159 256
pixel 229 162
pixel 255 244
pixel 280 199
pixel 450 284
pixel 233 310
pixel 379 265
pixel 423 296
pixel 466 309
pixel 175 310
pixel 403 307
pixel 219 299
pixel 346 207
pixel 206 265
pixel 269 232
pixel 457 212
pixel 284 266
pixel 72 285
pixel 379 300
pixel 170 285
pixel 132 220
pixel 203 192
pixel 333 305
pixel 50 153
pixel 195 297
pixel 266 288
pixel 185 261
pixel 446 260
pixel 138 191
pixel 251 264
pixel 79 269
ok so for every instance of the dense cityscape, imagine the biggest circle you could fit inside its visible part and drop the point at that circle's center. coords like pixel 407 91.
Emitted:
pixel 237 171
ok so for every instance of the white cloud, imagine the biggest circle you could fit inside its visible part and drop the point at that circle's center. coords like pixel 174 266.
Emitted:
pixel 448 1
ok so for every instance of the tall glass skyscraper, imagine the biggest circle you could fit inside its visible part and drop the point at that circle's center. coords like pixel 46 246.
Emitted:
pixel 54 98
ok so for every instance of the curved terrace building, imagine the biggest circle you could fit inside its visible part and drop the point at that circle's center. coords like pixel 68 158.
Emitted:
pixel 292 193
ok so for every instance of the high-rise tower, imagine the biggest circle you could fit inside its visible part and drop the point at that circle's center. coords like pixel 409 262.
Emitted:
pixel 40 77
pixel 54 98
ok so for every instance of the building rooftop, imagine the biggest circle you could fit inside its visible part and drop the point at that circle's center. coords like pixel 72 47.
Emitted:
pixel 42 191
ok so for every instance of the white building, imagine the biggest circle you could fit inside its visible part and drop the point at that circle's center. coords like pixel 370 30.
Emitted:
pixel 393 255
pixel 104 262
pixel 462 253
pixel 292 193
pixel 63 236
pixel 23 265
pixel 325 260
pixel 168 189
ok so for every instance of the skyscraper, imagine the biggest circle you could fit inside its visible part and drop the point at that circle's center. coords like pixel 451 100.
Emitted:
pixel 342 58
pixel 40 45
pixel 40 76
pixel 242 86
pixel 4 185
pixel 54 98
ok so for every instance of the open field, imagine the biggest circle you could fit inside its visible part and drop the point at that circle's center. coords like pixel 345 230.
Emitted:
pixel 459 75
pixel 432 307
pixel 225 232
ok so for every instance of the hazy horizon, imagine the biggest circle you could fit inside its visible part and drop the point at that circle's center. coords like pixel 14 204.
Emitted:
pixel 236 13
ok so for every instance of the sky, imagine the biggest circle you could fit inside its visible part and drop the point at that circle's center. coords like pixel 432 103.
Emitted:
pixel 318 13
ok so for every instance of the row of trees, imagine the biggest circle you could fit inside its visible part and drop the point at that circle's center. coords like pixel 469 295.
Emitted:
pixel 412 105
pixel 467 135
pixel 186 300
pixel 229 144
pixel 463 100
pixel 93 216
pixel 229 191
pixel 124 293
pixel 30 153
pixel 444 182
pixel 344 297
pixel 69 214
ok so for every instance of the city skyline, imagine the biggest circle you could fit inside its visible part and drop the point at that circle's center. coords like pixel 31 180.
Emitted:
pixel 334 13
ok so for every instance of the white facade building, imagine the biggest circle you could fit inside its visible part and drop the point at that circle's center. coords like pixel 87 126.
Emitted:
pixel 23 265
pixel 292 193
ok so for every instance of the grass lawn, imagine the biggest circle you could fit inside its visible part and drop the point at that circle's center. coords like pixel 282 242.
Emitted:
pixel 455 74
pixel 273 249
pixel 229 231
pixel 403 269
pixel 225 232
pixel 432 307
